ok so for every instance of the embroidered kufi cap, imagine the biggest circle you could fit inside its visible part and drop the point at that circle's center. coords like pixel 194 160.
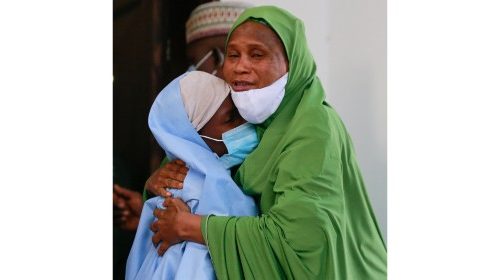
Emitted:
pixel 212 19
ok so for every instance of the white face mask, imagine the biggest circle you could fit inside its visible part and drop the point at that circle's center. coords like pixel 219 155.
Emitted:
pixel 256 105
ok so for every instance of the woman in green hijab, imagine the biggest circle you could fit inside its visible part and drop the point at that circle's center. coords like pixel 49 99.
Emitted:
pixel 316 220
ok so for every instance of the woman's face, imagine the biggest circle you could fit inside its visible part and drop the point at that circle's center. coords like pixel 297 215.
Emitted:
pixel 255 57
pixel 226 118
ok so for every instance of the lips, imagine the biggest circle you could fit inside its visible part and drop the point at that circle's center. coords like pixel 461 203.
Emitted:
pixel 242 85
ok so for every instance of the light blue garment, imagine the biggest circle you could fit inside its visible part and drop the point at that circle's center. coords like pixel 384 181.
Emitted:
pixel 208 189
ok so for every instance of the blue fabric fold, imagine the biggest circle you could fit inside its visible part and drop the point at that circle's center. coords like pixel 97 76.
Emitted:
pixel 208 189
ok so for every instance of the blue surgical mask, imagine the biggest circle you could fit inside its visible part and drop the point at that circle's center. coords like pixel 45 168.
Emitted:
pixel 240 142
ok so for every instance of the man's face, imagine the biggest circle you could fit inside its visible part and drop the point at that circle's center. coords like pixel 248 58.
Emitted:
pixel 255 57
pixel 197 50
pixel 225 119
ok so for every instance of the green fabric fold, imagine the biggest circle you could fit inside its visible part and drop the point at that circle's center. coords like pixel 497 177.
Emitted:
pixel 316 221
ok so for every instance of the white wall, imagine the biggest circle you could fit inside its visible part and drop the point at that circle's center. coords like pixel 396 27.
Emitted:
pixel 348 41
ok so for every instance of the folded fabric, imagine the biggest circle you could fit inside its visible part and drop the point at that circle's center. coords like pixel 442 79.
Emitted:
pixel 208 189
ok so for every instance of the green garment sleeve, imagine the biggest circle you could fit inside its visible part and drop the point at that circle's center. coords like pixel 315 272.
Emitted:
pixel 204 224
pixel 145 194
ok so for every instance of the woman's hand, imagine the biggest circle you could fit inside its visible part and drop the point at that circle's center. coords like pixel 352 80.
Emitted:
pixel 168 227
pixel 171 175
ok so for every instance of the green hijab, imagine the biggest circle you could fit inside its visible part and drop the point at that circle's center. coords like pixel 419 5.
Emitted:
pixel 316 220
pixel 302 68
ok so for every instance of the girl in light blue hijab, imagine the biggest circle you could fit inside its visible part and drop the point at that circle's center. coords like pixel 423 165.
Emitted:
pixel 195 120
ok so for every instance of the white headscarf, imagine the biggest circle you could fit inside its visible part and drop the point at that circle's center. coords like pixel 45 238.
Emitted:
pixel 202 94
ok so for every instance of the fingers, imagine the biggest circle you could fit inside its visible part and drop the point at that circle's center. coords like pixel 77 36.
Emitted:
pixel 154 227
pixel 175 179
pixel 123 191
pixel 163 192
pixel 156 239
pixel 121 213
pixel 152 185
pixel 157 185
pixel 163 248
pixel 176 203
pixel 125 215
pixel 118 201
pixel 158 189
pixel 163 245
pixel 168 179
pixel 172 179
pixel 171 175
pixel 179 162
pixel 177 166
pixel 167 201
pixel 158 213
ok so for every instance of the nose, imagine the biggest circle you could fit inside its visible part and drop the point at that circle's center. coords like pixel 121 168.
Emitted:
pixel 242 65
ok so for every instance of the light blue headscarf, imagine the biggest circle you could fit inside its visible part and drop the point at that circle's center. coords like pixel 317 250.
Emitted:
pixel 208 189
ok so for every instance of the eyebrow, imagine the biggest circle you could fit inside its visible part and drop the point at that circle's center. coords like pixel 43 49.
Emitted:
pixel 251 45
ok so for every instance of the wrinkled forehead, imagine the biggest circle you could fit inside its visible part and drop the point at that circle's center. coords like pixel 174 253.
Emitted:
pixel 258 31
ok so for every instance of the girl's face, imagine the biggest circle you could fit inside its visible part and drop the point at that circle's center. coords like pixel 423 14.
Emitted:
pixel 226 118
